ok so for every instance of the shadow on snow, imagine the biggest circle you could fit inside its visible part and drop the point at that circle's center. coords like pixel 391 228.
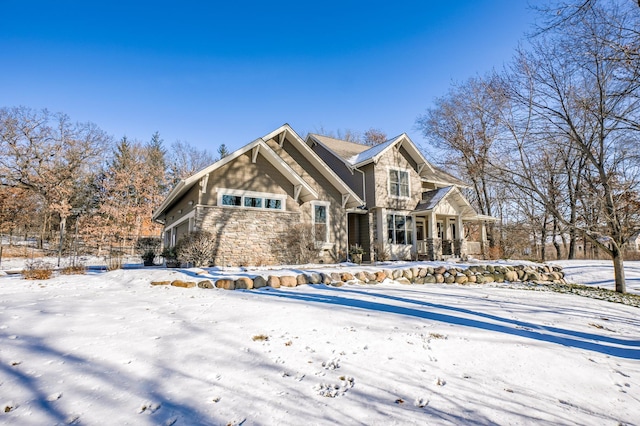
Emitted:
pixel 593 342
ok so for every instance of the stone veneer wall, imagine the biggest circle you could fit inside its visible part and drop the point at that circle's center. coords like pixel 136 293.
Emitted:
pixel 247 237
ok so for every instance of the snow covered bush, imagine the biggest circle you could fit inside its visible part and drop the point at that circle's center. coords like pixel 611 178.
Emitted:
pixel 197 248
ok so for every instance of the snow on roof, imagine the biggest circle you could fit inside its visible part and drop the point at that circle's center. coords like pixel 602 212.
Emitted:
pixel 371 152
pixel 430 199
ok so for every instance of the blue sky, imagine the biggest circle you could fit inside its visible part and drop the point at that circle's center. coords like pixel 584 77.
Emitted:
pixel 210 72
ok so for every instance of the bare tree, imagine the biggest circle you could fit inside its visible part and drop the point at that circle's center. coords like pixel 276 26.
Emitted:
pixel 374 137
pixel 48 155
pixel 575 92
pixel 185 160
pixel 462 127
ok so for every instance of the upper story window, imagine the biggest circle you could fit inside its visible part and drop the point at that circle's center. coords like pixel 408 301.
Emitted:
pixel 398 183
pixel 250 200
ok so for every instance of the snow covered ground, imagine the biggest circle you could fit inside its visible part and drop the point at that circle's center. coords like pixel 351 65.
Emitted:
pixel 109 349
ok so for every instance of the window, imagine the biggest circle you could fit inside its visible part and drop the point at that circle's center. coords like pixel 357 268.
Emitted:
pixel 320 222
pixel 398 183
pixel 250 200
pixel 253 202
pixel 400 229
pixel 273 204
pixel 231 200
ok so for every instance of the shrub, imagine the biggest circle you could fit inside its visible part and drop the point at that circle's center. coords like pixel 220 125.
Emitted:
pixel 37 270
pixel 494 253
pixel 146 244
pixel 298 245
pixel 74 270
pixel 169 253
pixel 114 262
pixel 148 248
pixel 197 248
pixel 382 252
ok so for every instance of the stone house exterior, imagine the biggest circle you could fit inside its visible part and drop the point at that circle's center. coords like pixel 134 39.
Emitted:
pixel 252 198
pixel 411 208
pixel 387 197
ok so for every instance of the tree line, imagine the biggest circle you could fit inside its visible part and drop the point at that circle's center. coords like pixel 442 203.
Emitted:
pixel 551 143
pixel 55 172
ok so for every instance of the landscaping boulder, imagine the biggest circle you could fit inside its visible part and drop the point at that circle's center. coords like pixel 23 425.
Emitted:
pixel 429 279
pixel 205 284
pixel 440 270
pixel 183 284
pixel 461 279
pixel 160 282
pixel 301 279
pixel 511 276
pixel 259 282
pixel 314 278
pixel 226 284
pixel 408 274
pixel 346 276
pixel 288 281
pixel 244 283
pixel 273 281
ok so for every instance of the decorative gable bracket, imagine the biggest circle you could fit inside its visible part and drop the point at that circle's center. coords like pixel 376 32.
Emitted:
pixel 203 183
pixel 345 199
pixel 254 153
pixel 296 192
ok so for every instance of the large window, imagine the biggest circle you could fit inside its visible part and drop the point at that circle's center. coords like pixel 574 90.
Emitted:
pixel 250 200
pixel 398 183
pixel 399 229
pixel 320 222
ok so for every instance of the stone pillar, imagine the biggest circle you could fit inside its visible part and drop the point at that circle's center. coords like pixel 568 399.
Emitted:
pixel 460 247
pixel 483 239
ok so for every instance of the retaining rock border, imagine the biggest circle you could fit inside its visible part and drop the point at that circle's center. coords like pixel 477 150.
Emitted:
pixel 475 274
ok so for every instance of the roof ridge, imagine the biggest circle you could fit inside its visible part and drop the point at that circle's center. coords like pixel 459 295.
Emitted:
pixel 338 140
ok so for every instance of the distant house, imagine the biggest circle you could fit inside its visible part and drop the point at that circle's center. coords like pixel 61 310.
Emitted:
pixel 384 198
pixel 633 243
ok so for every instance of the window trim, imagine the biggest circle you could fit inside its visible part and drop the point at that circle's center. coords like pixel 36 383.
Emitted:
pixel 251 194
pixel 400 170
pixel 408 231
pixel 327 240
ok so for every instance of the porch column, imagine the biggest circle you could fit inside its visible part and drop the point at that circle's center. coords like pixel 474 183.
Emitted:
pixel 414 235
pixel 433 245
pixel 431 226
pixel 460 246
pixel 483 239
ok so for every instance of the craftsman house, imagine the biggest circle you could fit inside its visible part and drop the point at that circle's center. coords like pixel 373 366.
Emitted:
pixel 385 198
pixel 411 208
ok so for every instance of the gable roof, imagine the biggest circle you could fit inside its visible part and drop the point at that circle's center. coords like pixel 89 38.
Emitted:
pixel 356 155
pixel 433 199
pixel 259 146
